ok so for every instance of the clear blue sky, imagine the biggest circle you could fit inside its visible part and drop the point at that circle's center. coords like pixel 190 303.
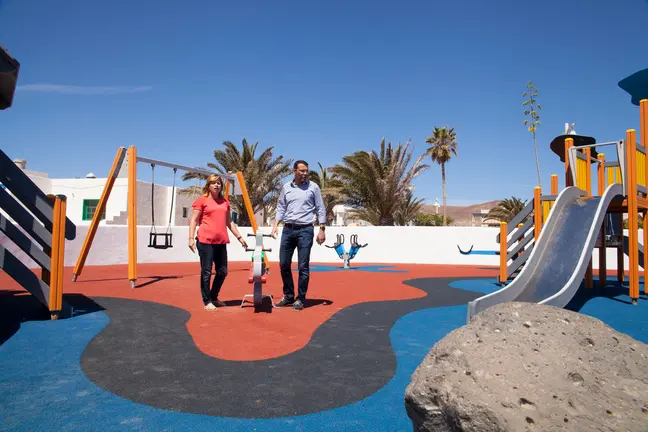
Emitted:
pixel 318 80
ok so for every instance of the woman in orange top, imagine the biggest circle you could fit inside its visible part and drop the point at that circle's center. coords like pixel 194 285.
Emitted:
pixel 212 212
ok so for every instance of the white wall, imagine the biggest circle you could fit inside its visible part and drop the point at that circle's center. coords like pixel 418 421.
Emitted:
pixel 411 245
pixel 77 190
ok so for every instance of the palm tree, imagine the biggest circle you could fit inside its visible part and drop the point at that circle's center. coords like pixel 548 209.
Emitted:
pixel 408 209
pixel 263 175
pixel 443 144
pixel 330 187
pixel 374 184
pixel 506 210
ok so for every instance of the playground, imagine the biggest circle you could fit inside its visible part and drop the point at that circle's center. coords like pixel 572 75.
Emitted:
pixel 100 338
pixel 151 358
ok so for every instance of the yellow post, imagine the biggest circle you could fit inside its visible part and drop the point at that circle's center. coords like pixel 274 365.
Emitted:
pixel 96 218
pixel 537 212
pixel 633 229
pixel 503 251
pixel 132 215
pixel 588 171
pixel 601 173
pixel 249 210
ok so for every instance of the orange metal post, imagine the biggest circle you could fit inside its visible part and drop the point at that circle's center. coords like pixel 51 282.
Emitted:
pixel 537 212
pixel 249 210
pixel 554 184
pixel 55 265
pixel 61 252
pixel 132 215
pixel 633 229
pixel 569 143
pixel 503 251
pixel 643 128
pixel 96 218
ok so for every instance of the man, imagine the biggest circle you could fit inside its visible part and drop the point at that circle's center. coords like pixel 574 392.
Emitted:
pixel 298 203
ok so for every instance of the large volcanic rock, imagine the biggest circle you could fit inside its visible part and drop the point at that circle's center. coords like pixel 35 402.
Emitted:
pixel 523 367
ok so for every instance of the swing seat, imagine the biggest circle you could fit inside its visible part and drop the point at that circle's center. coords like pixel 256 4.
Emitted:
pixel 165 241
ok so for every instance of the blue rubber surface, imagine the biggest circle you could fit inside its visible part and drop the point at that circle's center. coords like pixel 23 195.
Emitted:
pixel 367 268
pixel 44 387
pixel 612 305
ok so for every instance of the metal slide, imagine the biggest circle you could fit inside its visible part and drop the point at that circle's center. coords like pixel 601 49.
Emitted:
pixel 559 260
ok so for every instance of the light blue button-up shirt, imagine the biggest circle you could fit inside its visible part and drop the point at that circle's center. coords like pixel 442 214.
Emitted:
pixel 298 203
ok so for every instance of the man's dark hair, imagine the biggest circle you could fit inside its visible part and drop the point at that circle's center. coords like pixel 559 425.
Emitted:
pixel 303 162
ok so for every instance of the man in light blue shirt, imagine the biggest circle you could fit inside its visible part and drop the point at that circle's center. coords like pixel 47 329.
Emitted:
pixel 299 202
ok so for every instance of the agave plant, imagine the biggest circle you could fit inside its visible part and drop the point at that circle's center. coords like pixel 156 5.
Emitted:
pixel 263 175
pixel 375 184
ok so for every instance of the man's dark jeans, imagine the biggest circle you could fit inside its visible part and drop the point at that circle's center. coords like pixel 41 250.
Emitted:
pixel 300 238
pixel 212 254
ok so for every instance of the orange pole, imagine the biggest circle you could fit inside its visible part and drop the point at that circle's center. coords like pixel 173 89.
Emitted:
pixel 61 252
pixel 569 181
pixel 132 215
pixel 643 128
pixel 96 218
pixel 537 212
pixel 249 210
pixel 633 229
pixel 554 184
pixel 503 251
pixel 55 266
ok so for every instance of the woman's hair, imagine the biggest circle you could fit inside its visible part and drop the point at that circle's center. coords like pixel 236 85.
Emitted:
pixel 210 181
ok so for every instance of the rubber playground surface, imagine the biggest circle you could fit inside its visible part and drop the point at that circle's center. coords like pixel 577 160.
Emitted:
pixel 152 359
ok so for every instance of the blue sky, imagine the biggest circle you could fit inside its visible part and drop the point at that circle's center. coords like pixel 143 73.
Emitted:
pixel 318 80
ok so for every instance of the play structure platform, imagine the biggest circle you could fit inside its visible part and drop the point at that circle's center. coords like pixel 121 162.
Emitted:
pixel 553 261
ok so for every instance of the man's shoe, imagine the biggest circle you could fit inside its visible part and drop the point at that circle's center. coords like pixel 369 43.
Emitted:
pixel 210 307
pixel 298 305
pixel 219 303
pixel 284 302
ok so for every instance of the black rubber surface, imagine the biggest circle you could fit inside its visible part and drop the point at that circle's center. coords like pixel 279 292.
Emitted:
pixel 146 355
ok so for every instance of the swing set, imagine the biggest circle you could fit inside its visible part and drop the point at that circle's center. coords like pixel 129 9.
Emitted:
pixel 157 240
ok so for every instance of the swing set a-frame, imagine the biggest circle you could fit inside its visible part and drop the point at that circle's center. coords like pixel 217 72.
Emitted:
pixel 157 240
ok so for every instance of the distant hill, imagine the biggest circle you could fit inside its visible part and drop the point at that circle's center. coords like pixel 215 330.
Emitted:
pixel 462 215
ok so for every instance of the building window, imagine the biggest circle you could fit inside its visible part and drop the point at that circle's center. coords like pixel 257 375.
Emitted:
pixel 89 208
pixel 185 210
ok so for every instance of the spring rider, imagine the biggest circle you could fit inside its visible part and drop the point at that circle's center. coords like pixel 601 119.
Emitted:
pixel 346 256
pixel 258 270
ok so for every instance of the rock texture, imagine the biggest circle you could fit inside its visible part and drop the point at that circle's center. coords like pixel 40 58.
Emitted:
pixel 528 367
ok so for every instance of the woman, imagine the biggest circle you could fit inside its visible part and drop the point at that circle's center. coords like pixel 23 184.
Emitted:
pixel 212 212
